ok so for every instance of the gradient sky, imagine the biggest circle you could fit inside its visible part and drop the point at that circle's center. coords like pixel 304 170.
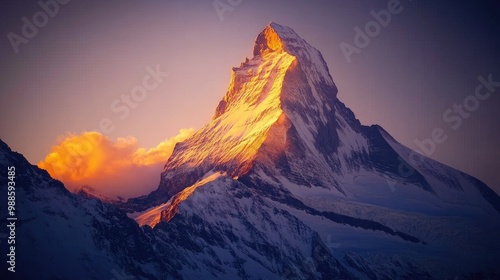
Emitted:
pixel 92 52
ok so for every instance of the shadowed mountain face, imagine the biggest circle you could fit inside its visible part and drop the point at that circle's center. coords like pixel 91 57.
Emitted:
pixel 283 183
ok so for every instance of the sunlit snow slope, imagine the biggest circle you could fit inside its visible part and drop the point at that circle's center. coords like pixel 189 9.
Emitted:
pixel 281 130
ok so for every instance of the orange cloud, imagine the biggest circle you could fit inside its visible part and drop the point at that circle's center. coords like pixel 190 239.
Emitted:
pixel 161 152
pixel 112 168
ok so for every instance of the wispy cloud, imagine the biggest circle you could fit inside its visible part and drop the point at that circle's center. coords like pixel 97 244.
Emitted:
pixel 112 168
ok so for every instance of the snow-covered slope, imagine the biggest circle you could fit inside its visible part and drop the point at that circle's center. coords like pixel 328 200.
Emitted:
pixel 60 235
pixel 223 230
pixel 281 130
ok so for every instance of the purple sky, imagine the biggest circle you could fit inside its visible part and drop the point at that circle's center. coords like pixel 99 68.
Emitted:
pixel 90 53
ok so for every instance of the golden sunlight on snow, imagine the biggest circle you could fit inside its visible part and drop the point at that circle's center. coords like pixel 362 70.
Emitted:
pixel 243 119
pixel 153 215
pixel 271 41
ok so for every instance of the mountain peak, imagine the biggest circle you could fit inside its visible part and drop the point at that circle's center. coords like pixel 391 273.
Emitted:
pixel 272 39
pixel 279 53
pixel 276 38
pixel 282 98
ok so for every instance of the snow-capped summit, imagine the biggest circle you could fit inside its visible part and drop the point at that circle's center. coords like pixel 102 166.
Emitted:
pixel 286 84
pixel 281 131
pixel 280 116
pixel 279 53
pixel 278 38
pixel 269 40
